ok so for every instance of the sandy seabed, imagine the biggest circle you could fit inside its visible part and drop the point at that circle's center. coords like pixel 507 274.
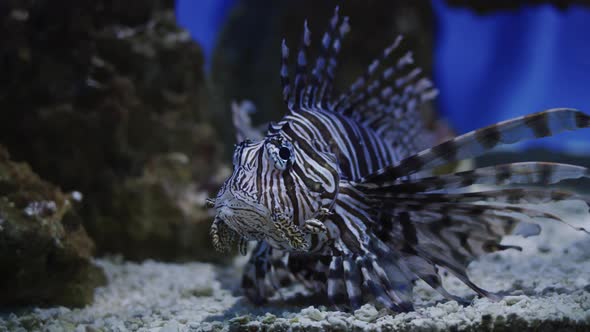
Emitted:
pixel 548 287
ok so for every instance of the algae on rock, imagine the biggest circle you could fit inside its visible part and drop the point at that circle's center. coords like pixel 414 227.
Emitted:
pixel 45 253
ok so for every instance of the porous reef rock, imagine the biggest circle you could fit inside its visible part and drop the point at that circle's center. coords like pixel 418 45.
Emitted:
pixel 106 98
pixel 45 253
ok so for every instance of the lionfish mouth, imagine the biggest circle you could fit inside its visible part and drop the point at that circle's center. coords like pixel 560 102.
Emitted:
pixel 247 220
pixel 243 222
pixel 225 234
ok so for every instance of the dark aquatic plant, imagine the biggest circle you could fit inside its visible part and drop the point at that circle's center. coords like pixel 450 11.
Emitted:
pixel 340 196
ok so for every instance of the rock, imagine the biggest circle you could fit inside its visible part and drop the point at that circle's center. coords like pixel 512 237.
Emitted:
pixel 366 313
pixel 45 253
pixel 171 326
pixel 106 98
pixel 313 313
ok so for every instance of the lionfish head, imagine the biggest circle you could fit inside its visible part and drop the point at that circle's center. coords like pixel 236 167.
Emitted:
pixel 275 186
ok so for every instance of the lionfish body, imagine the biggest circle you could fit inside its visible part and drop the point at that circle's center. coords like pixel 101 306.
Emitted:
pixel 339 195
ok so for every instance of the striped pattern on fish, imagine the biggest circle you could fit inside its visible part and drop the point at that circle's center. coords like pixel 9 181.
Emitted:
pixel 339 195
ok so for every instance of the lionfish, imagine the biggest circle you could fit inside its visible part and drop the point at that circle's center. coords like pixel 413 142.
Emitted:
pixel 340 195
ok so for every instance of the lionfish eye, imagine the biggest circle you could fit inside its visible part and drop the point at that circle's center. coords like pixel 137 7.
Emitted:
pixel 280 153
pixel 285 153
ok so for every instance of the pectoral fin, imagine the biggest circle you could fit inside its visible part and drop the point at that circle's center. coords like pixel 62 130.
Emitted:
pixel 290 232
pixel 221 235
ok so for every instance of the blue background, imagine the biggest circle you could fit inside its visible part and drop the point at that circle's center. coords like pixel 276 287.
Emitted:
pixel 488 68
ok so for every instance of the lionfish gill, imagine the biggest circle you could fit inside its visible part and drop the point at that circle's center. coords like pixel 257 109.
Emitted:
pixel 339 195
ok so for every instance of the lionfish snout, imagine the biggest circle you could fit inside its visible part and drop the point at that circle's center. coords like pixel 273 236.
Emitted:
pixel 236 220
pixel 246 220
pixel 246 217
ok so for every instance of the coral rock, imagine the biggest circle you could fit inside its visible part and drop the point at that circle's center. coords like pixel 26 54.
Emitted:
pixel 94 94
pixel 45 253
